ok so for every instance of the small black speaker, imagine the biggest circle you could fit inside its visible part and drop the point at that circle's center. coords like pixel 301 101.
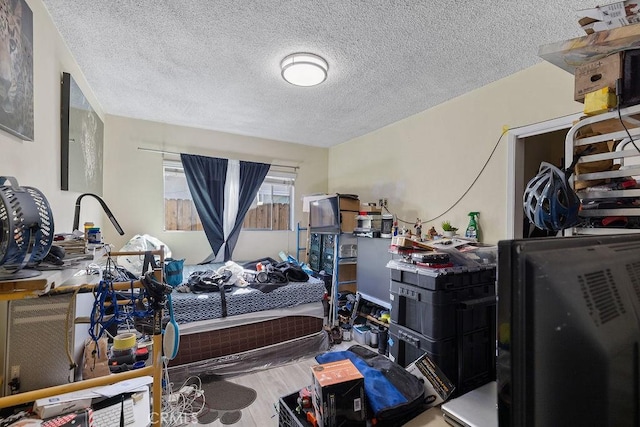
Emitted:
pixel 630 94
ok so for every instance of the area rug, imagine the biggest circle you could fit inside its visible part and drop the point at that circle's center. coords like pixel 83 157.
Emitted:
pixel 224 400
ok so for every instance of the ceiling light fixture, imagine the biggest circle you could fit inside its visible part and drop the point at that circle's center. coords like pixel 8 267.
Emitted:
pixel 304 69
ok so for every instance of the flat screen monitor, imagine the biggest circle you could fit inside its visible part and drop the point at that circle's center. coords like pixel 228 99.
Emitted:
pixel 569 331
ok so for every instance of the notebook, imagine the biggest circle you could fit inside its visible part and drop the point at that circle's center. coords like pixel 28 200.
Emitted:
pixel 477 408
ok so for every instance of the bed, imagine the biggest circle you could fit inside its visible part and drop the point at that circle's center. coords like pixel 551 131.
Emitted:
pixel 249 329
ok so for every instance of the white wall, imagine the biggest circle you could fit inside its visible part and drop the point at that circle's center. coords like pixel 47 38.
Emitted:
pixel 425 163
pixel 37 164
pixel 134 183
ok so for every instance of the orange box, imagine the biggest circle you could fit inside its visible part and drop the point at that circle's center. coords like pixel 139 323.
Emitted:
pixel 599 74
pixel 338 394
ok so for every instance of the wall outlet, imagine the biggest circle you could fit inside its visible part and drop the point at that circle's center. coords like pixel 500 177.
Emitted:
pixel 15 372
pixel 382 203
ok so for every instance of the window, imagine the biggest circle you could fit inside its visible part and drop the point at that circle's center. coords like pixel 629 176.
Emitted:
pixel 272 208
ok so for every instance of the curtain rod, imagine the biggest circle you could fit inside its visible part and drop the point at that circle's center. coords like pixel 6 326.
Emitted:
pixel 152 150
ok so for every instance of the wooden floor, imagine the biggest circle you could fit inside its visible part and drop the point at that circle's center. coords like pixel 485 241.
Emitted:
pixel 271 384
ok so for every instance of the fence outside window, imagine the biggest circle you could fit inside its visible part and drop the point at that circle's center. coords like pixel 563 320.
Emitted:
pixel 271 210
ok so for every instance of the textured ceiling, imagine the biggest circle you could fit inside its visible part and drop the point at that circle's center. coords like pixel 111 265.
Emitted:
pixel 215 64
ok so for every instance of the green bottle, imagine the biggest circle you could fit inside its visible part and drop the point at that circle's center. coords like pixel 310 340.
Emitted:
pixel 473 231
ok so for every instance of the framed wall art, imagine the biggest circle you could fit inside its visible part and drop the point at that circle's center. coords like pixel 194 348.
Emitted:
pixel 82 141
pixel 16 68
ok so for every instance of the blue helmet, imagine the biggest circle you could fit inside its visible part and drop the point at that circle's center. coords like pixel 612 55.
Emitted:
pixel 549 202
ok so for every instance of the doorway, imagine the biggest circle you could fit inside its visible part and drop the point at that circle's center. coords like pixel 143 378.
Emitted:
pixel 528 146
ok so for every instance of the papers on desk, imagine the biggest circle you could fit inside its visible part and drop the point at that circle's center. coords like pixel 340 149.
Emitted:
pixel 123 386
pixel 68 402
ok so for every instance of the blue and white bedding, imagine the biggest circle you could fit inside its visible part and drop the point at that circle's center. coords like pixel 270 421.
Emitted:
pixel 190 307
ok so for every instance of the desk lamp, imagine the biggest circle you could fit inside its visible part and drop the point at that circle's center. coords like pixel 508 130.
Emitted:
pixel 76 217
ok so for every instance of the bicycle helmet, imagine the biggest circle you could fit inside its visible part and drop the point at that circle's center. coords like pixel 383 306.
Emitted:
pixel 549 202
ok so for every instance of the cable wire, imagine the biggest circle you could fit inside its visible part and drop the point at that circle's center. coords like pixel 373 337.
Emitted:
pixel 625 128
pixel 478 175
pixel 468 188
pixel 67 327
pixel 184 405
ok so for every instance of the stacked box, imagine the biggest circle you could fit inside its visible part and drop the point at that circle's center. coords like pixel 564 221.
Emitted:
pixel 438 280
pixel 450 317
pixel 315 251
pixel 467 361
pixel 338 394
pixel 441 314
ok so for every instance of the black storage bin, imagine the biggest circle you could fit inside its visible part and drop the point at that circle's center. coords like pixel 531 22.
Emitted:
pixel 468 361
pixel 454 278
pixel 434 314
pixel 287 416
pixel 406 345
pixel 476 359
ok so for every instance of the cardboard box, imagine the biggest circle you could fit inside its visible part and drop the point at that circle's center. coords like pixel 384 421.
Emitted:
pixel 348 221
pixel 370 208
pixel 591 26
pixel 437 387
pixel 572 53
pixel 347 272
pixel 406 242
pixel 338 394
pixel 349 203
pixel 606 126
pixel 616 11
pixel 58 405
pixel 596 75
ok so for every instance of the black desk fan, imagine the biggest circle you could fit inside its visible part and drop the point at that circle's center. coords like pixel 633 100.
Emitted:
pixel 26 229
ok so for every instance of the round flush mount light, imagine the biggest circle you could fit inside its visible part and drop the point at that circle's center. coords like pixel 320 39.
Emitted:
pixel 304 69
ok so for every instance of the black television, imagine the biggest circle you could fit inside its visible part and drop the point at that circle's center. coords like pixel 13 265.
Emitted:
pixel 324 215
pixel 569 331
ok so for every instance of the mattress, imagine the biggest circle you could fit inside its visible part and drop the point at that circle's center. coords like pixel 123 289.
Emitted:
pixel 189 307
pixel 314 309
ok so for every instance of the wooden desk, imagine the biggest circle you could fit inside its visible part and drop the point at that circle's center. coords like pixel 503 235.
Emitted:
pixel 51 282
pixel 48 281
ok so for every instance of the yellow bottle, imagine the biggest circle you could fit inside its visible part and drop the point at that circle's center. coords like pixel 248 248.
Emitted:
pixel 87 226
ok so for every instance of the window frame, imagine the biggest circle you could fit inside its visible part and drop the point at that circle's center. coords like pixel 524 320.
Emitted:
pixel 275 176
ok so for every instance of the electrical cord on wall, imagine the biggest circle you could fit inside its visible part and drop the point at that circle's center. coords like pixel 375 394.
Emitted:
pixel 468 188
pixel 477 176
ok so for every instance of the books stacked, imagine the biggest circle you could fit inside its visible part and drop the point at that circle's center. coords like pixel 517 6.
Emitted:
pixel 72 246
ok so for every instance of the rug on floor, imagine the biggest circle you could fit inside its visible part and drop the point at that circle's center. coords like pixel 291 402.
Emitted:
pixel 224 400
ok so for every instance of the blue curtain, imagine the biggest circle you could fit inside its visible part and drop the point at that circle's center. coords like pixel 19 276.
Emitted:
pixel 208 178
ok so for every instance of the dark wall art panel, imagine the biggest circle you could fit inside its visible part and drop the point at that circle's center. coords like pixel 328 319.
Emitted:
pixel 82 141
